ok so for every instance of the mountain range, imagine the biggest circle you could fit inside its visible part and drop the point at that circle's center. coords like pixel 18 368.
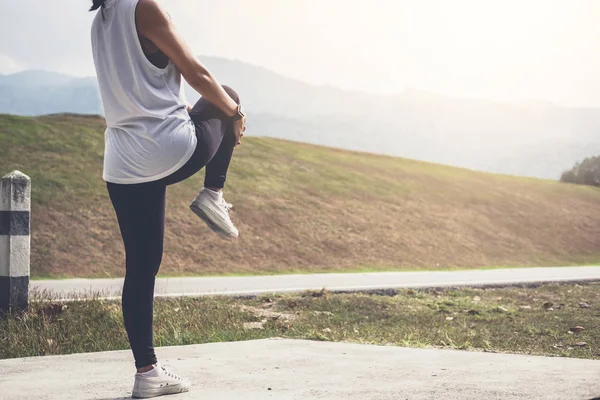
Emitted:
pixel 528 139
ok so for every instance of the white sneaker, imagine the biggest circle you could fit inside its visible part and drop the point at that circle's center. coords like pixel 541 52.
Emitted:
pixel 158 382
pixel 212 208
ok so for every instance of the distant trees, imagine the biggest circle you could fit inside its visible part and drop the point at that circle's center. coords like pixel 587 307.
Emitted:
pixel 586 172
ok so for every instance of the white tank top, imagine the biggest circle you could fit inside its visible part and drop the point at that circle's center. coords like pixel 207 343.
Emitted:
pixel 149 132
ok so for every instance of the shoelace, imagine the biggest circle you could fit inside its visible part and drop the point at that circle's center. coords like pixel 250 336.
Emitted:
pixel 226 206
pixel 170 375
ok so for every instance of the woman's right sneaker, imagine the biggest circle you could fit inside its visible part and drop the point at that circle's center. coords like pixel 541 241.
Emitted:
pixel 158 382
pixel 212 208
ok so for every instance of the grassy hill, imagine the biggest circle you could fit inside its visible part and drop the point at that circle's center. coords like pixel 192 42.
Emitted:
pixel 300 207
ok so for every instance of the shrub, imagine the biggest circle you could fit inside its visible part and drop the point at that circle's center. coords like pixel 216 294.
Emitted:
pixel 586 172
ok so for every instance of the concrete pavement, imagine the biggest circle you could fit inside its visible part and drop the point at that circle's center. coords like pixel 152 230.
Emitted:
pixel 288 369
pixel 198 286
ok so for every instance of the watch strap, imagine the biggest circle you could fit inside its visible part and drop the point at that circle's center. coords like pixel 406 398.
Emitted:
pixel 238 113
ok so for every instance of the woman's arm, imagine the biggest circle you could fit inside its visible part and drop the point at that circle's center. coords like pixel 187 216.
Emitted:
pixel 154 24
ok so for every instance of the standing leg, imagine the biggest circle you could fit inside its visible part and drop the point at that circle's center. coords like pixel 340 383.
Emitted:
pixel 140 211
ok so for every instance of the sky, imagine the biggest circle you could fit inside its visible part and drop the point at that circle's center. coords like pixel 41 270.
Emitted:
pixel 514 50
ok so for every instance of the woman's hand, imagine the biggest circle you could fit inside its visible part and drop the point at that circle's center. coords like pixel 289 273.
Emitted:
pixel 239 127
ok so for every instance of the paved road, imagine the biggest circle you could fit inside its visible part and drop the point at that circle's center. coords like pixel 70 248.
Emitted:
pixel 295 370
pixel 74 288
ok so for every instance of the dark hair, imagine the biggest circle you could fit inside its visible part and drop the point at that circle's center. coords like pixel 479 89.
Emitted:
pixel 97 4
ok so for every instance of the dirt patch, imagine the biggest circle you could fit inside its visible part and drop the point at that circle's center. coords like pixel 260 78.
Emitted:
pixel 266 313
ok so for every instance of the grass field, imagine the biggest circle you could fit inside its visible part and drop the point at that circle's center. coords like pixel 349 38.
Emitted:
pixel 551 320
pixel 300 208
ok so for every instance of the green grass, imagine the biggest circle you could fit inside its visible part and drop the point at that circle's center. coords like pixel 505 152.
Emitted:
pixel 300 209
pixel 62 157
pixel 511 320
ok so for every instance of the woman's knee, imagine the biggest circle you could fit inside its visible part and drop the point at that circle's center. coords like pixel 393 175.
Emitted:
pixel 144 264
pixel 232 93
pixel 204 110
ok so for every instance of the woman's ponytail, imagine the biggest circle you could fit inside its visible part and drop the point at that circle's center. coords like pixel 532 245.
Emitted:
pixel 97 4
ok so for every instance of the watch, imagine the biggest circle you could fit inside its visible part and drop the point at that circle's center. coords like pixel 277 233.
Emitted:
pixel 239 113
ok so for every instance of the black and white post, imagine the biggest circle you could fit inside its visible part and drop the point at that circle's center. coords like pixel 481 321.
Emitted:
pixel 15 207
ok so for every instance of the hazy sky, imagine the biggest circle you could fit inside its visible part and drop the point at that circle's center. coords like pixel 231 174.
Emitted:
pixel 497 49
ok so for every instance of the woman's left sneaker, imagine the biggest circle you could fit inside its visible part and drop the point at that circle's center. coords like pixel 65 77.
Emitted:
pixel 158 382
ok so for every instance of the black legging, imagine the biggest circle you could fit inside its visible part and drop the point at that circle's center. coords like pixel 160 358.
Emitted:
pixel 140 210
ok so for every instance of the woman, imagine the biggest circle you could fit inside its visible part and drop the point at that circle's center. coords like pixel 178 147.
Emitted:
pixel 154 139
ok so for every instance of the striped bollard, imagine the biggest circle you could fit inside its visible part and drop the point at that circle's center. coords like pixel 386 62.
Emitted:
pixel 15 206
